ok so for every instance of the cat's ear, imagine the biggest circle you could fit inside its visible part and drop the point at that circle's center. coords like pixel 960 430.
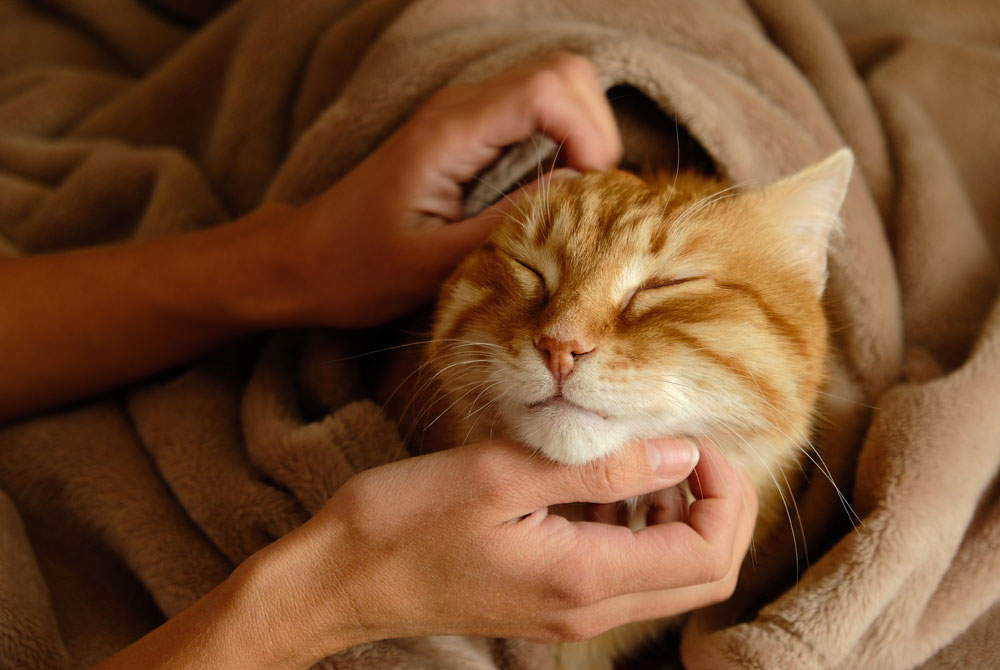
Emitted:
pixel 806 207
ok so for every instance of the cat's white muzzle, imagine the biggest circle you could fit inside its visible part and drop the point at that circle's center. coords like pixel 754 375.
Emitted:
pixel 566 432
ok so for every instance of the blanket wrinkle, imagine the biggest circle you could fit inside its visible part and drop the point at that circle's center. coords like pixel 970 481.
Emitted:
pixel 189 426
pixel 29 634
pixel 161 116
pixel 135 37
pixel 311 458
pixel 826 63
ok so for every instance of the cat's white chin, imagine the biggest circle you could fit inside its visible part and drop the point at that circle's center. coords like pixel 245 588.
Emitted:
pixel 567 434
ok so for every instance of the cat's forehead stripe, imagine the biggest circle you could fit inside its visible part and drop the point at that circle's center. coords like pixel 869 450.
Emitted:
pixel 543 227
pixel 658 235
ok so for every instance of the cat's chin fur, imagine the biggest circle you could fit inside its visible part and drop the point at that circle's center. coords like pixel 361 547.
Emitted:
pixel 566 434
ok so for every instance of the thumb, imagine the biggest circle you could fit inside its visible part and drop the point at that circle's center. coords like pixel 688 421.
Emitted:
pixel 638 468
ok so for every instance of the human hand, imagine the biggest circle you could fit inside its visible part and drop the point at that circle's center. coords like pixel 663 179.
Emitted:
pixel 381 241
pixel 461 542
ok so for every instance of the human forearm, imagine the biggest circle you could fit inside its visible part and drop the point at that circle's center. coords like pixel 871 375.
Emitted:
pixel 80 322
pixel 275 612
pixel 373 246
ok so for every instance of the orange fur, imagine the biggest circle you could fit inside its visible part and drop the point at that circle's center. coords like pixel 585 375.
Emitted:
pixel 609 307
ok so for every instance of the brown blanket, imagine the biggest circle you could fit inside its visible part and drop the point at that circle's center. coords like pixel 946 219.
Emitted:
pixel 125 119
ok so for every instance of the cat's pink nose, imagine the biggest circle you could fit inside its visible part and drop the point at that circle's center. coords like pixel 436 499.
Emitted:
pixel 561 355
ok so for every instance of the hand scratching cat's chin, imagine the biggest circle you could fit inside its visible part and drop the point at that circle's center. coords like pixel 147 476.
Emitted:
pixel 566 432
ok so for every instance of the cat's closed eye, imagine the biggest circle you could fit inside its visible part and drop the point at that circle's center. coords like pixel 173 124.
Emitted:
pixel 653 285
pixel 537 274
pixel 531 270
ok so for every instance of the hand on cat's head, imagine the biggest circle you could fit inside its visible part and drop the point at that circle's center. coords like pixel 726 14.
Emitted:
pixel 380 241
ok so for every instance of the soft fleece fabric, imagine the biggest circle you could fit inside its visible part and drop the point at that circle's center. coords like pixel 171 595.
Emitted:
pixel 123 120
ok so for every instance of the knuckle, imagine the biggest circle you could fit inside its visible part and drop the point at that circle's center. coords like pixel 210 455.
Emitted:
pixel 573 64
pixel 720 563
pixel 572 595
pixel 428 121
pixel 604 477
pixel 704 572
pixel 573 588
pixel 723 589
pixel 489 479
pixel 544 83
pixel 352 501
pixel 435 116
pixel 572 627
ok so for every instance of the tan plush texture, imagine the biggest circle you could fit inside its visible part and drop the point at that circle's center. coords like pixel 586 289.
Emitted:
pixel 121 122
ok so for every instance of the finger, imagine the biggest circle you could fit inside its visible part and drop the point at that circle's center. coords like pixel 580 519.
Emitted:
pixel 656 604
pixel 650 605
pixel 510 203
pixel 720 491
pixel 569 108
pixel 584 80
pixel 673 554
pixel 638 468
pixel 518 481
pixel 667 505
pixel 617 513
pixel 462 129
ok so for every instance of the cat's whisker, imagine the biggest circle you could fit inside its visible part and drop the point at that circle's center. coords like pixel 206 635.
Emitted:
pixel 701 205
pixel 711 199
pixel 457 400
pixel 418 371
pixel 504 196
pixel 811 453
pixel 845 399
pixel 440 390
pixel 496 417
pixel 784 501
pixel 677 164
pixel 539 169
pixel 481 411
pixel 418 343
pixel 472 428
pixel 548 185
pixel 459 340
pixel 433 401
pixel 426 383
pixel 472 411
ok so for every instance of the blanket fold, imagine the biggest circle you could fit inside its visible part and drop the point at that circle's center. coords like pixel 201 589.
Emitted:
pixel 143 119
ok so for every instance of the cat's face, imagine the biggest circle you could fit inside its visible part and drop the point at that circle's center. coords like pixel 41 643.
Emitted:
pixel 604 309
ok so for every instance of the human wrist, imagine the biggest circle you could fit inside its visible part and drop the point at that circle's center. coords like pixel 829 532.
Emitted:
pixel 265 287
pixel 301 596
pixel 248 622
pixel 309 267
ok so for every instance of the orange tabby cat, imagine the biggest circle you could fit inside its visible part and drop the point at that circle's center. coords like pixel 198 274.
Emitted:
pixel 609 308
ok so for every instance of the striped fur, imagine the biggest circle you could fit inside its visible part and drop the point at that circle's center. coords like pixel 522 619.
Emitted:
pixel 678 307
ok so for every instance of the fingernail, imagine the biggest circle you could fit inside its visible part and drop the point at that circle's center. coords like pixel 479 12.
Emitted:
pixel 672 456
